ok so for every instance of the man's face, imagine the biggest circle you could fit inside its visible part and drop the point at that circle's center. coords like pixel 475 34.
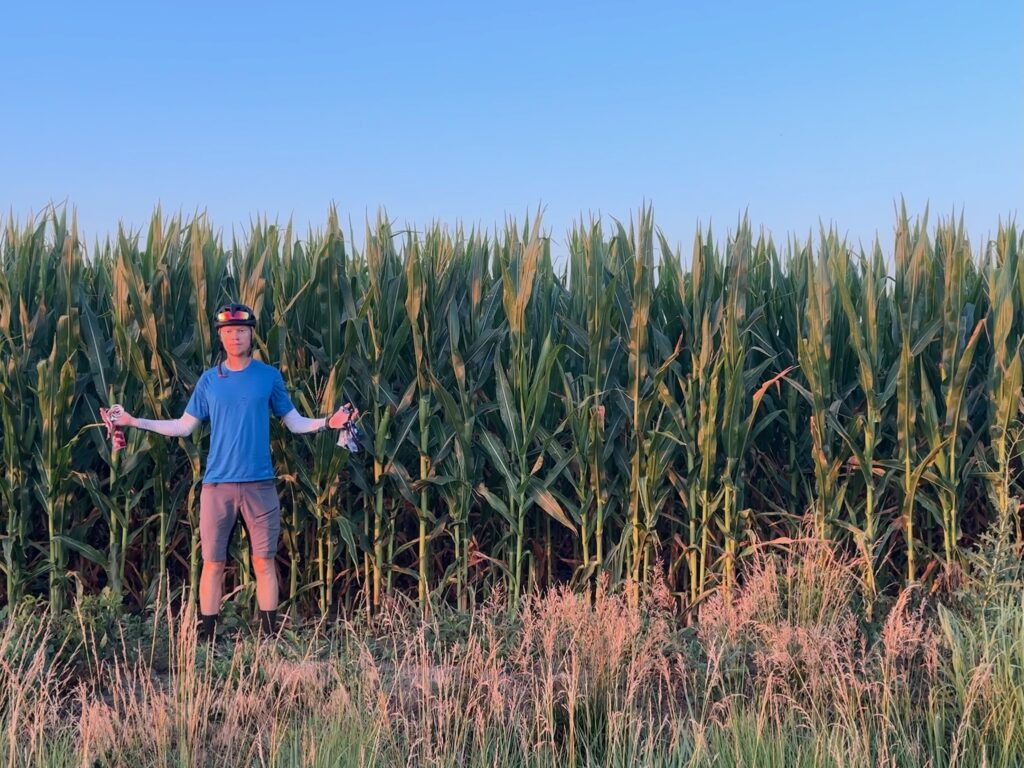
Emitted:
pixel 237 339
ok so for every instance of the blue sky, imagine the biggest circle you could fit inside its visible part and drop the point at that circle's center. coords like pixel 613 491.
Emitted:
pixel 796 112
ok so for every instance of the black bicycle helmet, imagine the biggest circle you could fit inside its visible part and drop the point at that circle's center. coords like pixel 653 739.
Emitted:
pixel 234 314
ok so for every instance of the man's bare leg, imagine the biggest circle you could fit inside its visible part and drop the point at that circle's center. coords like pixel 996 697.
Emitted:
pixel 267 594
pixel 266 582
pixel 211 587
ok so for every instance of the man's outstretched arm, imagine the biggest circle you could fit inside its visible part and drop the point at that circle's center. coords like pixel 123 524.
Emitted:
pixel 179 427
pixel 300 424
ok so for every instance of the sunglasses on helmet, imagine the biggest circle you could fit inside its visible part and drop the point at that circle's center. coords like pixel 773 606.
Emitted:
pixel 233 314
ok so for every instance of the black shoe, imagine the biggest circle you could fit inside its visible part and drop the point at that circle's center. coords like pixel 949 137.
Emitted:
pixel 268 623
pixel 208 627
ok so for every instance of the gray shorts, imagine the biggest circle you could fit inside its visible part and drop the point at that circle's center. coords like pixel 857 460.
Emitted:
pixel 219 505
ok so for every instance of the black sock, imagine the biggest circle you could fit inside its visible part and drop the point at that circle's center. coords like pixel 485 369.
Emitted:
pixel 268 621
pixel 207 626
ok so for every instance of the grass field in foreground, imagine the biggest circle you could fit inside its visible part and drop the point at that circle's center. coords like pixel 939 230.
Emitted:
pixel 786 673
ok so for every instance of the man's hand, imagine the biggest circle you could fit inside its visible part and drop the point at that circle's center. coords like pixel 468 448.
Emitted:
pixel 343 416
pixel 124 419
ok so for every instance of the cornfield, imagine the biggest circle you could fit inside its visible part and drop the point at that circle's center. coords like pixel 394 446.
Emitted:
pixel 628 413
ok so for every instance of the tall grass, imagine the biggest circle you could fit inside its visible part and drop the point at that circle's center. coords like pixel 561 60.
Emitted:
pixel 780 672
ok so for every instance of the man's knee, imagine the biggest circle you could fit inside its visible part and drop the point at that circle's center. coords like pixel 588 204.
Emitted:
pixel 264 565
pixel 213 567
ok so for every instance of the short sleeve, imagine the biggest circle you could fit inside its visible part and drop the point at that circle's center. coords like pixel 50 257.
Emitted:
pixel 280 402
pixel 198 405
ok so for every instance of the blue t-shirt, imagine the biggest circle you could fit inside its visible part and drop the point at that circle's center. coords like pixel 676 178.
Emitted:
pixel 238 405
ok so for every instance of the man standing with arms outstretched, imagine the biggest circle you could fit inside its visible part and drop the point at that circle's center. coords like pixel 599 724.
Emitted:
pixel 237 396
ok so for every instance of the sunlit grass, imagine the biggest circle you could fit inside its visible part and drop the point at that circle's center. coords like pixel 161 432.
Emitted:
pixel 785 673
